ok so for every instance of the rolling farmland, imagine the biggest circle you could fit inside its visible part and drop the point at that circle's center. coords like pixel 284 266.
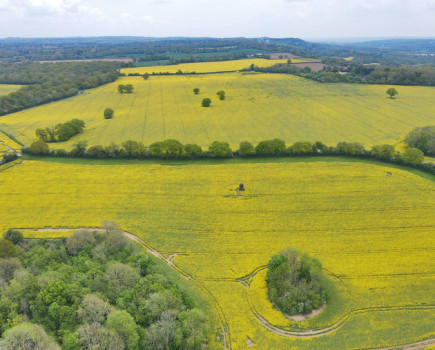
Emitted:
pixel 257 107
pixel 374 235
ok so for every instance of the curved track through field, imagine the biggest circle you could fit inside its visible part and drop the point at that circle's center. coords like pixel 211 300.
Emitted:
pixel 246 281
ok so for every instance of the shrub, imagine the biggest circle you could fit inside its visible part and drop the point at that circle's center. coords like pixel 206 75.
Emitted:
pixel 423 139
pixel 273 147
pixel 108 113
pixel 220 150
pixel 13 236
pixel 206 102
pixel 300 148
pixel 193 151
pixel 246 149
pixel 39 148
pixel 196 91
pixel 413 156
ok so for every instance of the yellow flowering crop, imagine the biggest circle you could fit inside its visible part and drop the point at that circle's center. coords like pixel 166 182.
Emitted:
pixel 257 107
pixel 6 89
pixel 373 234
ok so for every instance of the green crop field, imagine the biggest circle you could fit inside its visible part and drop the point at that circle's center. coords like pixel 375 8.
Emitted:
pixel 373 233
pixel 6 89
pixel 257 107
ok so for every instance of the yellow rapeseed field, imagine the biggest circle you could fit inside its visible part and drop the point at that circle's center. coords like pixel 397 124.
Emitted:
pixel 7 141
pixel 257 107
pixel 207 67
pixel 374 235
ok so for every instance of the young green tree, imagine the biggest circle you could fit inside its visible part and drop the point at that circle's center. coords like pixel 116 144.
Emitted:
pixel 121 88
pixel 129 88
pixel 246 149
pixel 413 156
pixel 206 102
pixel 14 236
pixel 196 91
pixel 108 113
pixel 220 150
pixel 392 92
pixel 39 148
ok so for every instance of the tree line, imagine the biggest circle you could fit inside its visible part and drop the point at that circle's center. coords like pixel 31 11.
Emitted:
pixel 340 71
pixel 51 82
pixel 174 149
pixel 92 290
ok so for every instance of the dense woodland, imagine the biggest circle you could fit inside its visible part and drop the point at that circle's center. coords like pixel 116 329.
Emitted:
pixel 51 82
pixel 92 290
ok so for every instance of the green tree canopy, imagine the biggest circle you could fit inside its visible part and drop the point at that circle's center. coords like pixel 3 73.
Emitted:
pixel 108 113
pixel 246 149
pixel 206 102
pixel 392 92
pixel 220 150
pixel 413 156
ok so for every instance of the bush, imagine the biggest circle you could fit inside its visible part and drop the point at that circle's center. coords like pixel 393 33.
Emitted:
pixel 293 281
pixel 300 148
pixel 423 139
pixel 221 95
pixel 196 91
pixel 9 157
pixel 246 149
pixel 220 150
pixel 273 147
pixel 39 148
pixel 193 151
pixel 206 102
pixel 383 152
pixel 413 156
pixel 13 236
pixel 108 113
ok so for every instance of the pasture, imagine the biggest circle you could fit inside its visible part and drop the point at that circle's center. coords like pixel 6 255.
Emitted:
pixel 6 89
pixel 257 107
pixel 374 235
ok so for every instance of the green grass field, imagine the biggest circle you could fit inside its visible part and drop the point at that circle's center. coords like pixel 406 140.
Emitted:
pixel 257 107
pixel 6 89
pixel 374 235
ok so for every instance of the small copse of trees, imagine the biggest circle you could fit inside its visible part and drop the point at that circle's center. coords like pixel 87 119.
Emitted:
pixel 108 113
pixel 128 89
pixel 221 95
pixel 294 282
pixel 61 132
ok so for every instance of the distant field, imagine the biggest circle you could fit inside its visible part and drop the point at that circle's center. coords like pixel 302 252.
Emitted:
pixel 205 67
pixel 374 235
pixel 6 141
pixel 6 89
pixel 257 107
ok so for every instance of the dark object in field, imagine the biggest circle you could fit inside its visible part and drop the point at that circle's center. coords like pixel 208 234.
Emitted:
pixel 389 174
pixel 241 187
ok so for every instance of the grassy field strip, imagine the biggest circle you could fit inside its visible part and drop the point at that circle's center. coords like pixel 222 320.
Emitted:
pixel 6 89
pixel 371 231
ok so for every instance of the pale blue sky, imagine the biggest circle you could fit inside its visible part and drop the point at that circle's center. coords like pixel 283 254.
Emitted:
pixel 218 18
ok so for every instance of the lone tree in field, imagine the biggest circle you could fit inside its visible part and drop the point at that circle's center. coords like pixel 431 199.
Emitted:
pixel 221 95
pixel 146 76
pixel 121 88
pixel 206 102
pixel 108 113
pixel 392 92
pixel 129 88
pixel 196 91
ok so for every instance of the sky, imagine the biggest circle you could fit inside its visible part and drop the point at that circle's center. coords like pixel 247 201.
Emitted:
pixel 218 18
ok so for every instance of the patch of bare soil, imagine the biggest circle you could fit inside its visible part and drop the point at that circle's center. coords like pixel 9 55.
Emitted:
pixel 303 317
pixel 249 342
pixel 315 66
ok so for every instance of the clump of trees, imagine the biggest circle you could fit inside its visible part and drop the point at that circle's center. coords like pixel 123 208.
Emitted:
pixel 128 89
pixel 294 282
pixel 221 95
pixel 423 139
pixel 206 102
pixel 108 113
pixel 94 289
pixel 61 132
